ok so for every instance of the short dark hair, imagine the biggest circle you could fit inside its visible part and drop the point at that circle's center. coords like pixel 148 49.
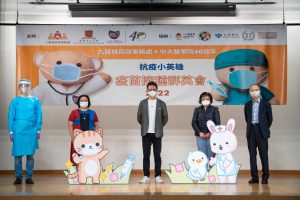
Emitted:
pixel 88 98
pixel 253 85
pixel 151 83
pixel 203 94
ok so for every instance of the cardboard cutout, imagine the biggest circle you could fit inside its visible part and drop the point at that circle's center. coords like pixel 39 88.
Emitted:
pixel 219 169
pixel 88 170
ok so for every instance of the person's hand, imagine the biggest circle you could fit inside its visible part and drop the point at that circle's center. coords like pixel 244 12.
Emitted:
pixel 11 137
pixel 202 135
pixel 38 136
pixel 207 135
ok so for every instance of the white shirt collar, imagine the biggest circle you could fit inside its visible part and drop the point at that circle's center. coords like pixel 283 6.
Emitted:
pixel 256 101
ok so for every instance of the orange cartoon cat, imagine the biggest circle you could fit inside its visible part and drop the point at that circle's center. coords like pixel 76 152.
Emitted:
pixel 90 150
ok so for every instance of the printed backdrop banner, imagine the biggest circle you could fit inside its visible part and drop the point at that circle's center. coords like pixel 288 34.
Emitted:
pixel 113 64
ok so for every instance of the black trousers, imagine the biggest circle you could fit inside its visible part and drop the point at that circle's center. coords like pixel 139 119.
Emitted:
pixel 255 140
pixel 147 141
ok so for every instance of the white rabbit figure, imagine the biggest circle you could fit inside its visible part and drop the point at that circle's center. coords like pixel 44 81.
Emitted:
pixel 223 142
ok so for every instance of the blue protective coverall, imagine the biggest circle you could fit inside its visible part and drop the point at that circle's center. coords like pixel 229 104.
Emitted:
pixel 25 121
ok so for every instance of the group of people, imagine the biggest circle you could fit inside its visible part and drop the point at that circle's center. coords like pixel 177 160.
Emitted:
pixel 25 122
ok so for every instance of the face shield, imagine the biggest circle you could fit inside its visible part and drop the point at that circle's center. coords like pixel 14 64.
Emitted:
pixel 24 86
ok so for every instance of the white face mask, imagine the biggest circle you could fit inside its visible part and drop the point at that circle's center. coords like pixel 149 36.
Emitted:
pixel 152 93
pixel 83 104
pixel 24 90
pixel 205 102
pixel 255 94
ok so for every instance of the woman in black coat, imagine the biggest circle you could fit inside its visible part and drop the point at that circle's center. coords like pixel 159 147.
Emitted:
pixel 202 114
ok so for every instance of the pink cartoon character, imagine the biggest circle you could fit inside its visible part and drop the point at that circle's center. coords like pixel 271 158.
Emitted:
pixel 223 142
pixel 90 150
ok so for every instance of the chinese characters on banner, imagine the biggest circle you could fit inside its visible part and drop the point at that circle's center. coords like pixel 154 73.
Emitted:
pixel 113 64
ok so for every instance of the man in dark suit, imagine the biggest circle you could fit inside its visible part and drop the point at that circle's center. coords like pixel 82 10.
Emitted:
pixel 152 115
pixel 258 115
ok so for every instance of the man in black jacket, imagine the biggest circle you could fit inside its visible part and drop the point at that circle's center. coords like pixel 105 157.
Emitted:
pixel 258 115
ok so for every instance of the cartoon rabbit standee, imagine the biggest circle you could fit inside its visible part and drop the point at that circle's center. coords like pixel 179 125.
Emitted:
pixel 223 142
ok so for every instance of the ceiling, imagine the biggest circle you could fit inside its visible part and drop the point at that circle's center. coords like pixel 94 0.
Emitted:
pixel 59 13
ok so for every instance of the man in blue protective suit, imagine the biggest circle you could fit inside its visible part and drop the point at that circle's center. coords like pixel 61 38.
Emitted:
pixel 24 124
pixel 237 70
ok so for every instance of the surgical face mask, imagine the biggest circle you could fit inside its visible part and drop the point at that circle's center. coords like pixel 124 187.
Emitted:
pixel 255 94
pixel 205 102
pixel 67 72
pixel 83 104
pixel 152 93
pixel 244 78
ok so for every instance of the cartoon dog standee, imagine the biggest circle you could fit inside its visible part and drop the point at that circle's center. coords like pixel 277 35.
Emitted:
pixel 223 142
pixel 90 150
pixel 198 166
pixel 68 74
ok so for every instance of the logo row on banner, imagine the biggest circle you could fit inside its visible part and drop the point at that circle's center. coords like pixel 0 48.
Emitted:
pixel 151 35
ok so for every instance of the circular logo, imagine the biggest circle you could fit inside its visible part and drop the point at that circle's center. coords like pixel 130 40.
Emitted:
pixel 248 35
pixel 113 34
pixel 141 35
pixel 204 36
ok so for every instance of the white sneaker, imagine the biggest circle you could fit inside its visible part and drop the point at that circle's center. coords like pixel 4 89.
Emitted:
pixel 158 180
pixel 145 180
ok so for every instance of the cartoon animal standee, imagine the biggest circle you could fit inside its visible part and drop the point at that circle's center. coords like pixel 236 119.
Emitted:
pixel 223 142
pixel 68 74
pixel 90 150
pixel 197 161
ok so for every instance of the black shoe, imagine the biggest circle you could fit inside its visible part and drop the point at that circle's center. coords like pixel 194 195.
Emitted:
pixel 253 181
pixel 18 181
pixel 264 181
pixel 29 181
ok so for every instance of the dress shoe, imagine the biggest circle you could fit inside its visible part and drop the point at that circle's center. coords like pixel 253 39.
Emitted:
pixel 253 181
pixel 18 181
pixel 29 181
pixel 264 181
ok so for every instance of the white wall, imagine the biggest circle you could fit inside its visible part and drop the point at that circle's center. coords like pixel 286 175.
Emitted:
pixel 122 134
pixel 59 14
